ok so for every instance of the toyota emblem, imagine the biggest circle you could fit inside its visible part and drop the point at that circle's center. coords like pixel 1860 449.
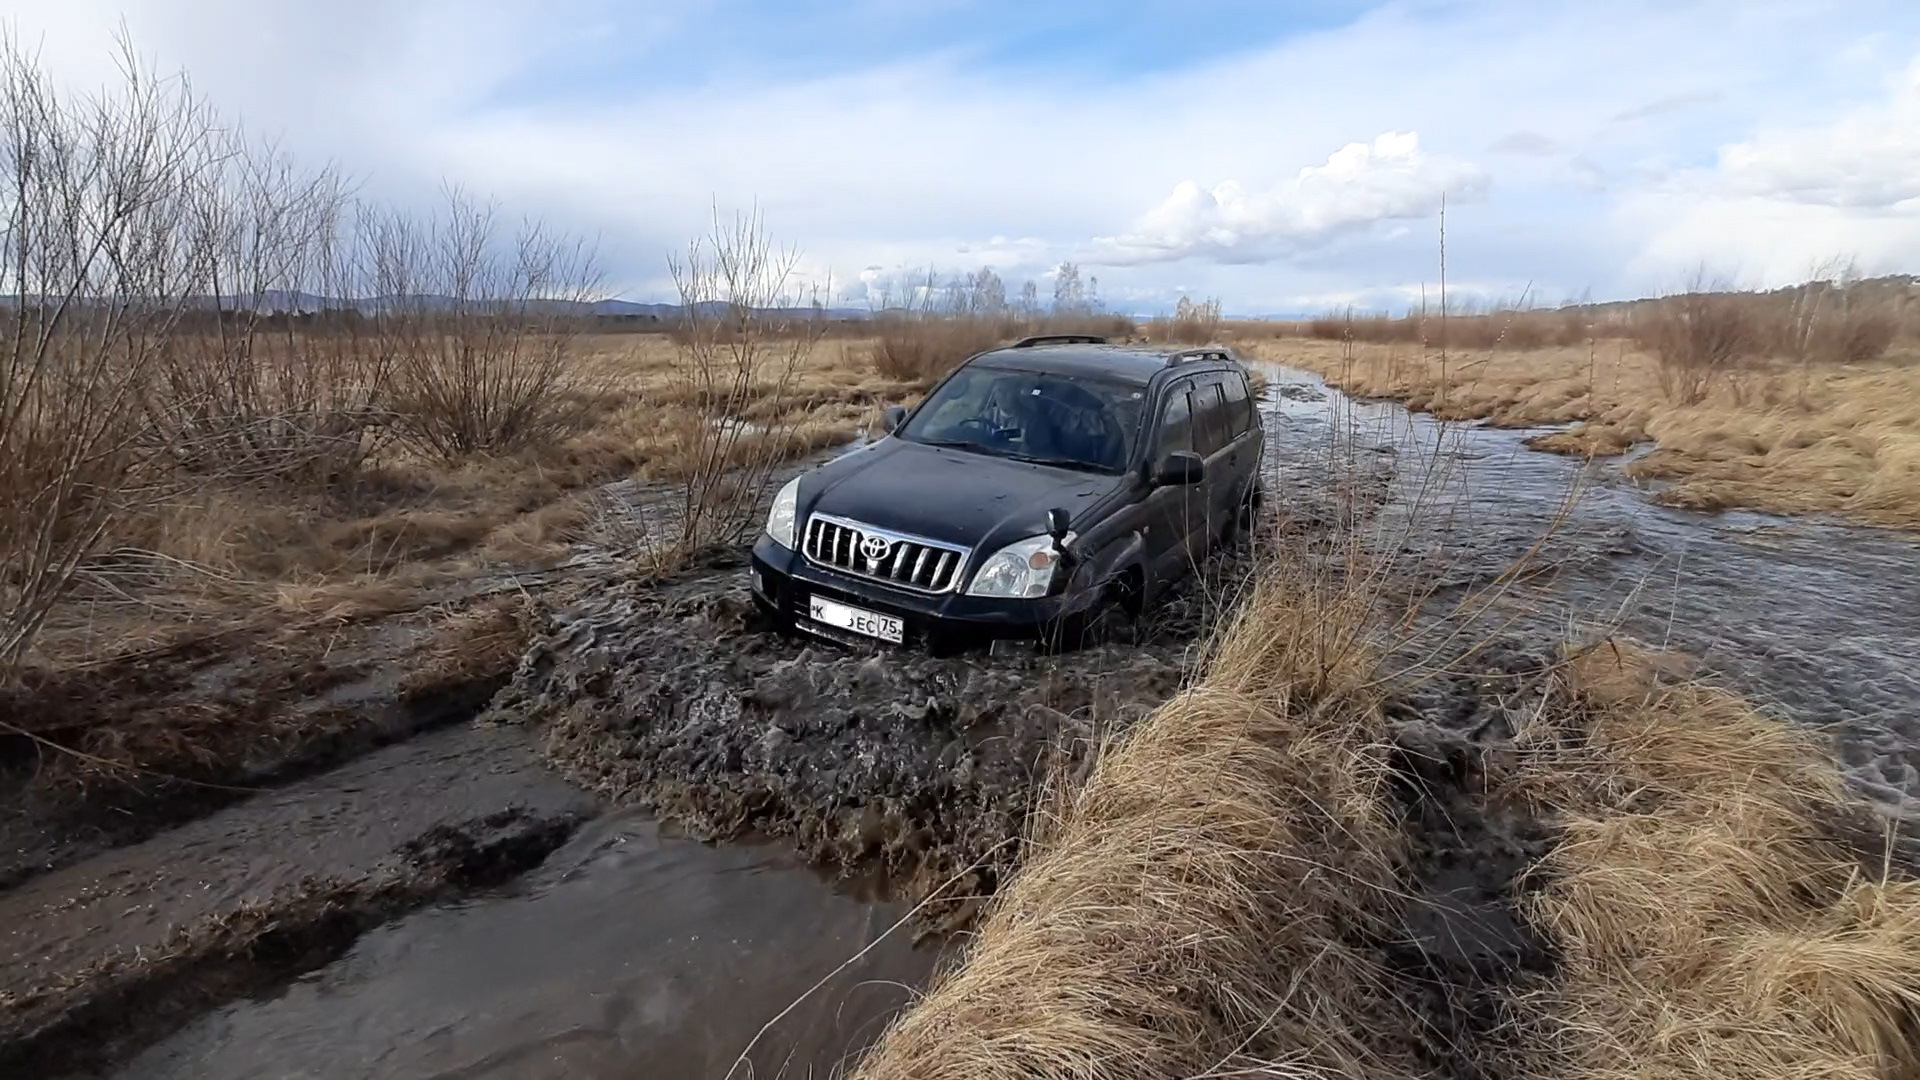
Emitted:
pixel 875 547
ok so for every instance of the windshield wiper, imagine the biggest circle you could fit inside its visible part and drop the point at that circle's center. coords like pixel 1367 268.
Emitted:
pixel 954 444
pixel 1064 463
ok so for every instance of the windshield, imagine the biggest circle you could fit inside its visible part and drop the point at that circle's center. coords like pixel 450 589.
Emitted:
pixel 1032 416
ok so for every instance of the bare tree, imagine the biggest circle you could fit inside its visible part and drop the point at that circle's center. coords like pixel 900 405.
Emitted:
pixel 735 353
pixel 1069 295
pixel 99 259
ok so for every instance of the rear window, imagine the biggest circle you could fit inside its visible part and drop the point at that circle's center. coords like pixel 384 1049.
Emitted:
pixel 1239 405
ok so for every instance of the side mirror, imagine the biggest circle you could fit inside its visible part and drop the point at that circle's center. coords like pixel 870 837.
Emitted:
pixel 1180 467
pixel 1058 524
pixel 892 417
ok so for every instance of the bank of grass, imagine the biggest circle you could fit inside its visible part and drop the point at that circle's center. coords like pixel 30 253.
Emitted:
pixel 1785 436
pixel 1191 909
pixel 1209 902
pixel 1714 899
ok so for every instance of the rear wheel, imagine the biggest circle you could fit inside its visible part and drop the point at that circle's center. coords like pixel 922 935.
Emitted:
pixel 1246 511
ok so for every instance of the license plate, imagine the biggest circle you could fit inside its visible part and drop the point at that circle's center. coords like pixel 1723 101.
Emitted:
pixel 859 620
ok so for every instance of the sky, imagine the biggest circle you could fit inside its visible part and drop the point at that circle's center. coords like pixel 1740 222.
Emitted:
pixel 1282 156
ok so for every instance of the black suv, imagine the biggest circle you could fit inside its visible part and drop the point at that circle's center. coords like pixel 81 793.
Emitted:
pixel 1038 490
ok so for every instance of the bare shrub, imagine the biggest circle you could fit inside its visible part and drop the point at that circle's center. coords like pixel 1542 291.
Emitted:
pixel 923 350
pixel 97 266
pixel 1698 338
pixel 733 358
pixel 480 329
pixel 250 387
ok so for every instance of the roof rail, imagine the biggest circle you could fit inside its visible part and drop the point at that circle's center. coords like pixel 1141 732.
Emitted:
pixel 1206 352
pixel 1059 339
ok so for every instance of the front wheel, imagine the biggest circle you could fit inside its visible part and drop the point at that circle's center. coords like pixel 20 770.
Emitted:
pixel 1114 620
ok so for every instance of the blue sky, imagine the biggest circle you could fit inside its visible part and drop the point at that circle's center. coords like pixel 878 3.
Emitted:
pixel 1283 156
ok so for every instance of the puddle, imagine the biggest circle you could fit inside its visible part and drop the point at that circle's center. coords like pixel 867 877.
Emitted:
pixel 626 954
pixel 1816 617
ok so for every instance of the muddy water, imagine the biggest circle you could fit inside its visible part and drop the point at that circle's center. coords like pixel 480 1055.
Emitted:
pixel 1818 618
pixel 627 954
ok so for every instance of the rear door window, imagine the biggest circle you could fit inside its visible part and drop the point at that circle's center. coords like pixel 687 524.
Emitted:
pixel 1239 406
pixel 1211 429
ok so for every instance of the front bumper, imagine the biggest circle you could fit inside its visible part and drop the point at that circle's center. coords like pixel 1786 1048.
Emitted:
pixel 783 580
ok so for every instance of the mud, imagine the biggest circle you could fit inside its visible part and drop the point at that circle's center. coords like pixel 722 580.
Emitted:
pixel 113 754
pixel 1467 946
pixel 105 954
pixel 916 770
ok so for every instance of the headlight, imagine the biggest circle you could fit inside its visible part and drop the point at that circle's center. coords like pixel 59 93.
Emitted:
pixel 1022 570
pixel 780 517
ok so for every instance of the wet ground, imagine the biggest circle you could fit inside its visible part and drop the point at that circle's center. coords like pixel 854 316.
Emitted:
pixel 626 953
pixel 497 900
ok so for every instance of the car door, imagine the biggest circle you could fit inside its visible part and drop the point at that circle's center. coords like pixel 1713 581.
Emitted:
pixel 1214 440
pixel 1172 509
pixel 1249 441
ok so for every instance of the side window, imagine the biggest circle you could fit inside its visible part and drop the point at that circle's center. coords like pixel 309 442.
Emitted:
pixel 1176 423
pixel 1210 427
pixel 1239 407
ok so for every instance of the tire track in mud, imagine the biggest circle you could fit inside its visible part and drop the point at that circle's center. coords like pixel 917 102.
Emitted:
pixel 110 954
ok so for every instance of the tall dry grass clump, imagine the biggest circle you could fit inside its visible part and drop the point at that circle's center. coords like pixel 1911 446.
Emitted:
pixel 922 350
pixel 1189 910
pixel 1712 910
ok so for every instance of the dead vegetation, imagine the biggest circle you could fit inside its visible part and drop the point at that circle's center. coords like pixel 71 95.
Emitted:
pixel 1715 903
pixel 1713 909
pixel 1190 910
pixel 239 404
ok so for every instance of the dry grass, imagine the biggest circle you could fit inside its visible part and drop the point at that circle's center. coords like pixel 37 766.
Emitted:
pixel 1709 921
pixel 1188 911
pixel 1794 438
pixel 218 551
pixel 922 351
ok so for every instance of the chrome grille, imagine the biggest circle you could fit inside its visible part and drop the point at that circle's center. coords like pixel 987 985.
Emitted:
pixel 859 549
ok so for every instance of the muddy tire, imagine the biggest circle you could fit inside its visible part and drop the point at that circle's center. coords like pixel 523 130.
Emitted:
pixel 1246 512
pixel 1114 620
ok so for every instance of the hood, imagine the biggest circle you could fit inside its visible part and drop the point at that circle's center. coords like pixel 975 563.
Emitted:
pixel 948 494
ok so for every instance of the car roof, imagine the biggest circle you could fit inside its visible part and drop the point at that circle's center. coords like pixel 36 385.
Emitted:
pixel 1132 364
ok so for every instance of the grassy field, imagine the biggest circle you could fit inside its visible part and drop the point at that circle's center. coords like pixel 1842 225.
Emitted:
pixel 1776 435
pixel 408 519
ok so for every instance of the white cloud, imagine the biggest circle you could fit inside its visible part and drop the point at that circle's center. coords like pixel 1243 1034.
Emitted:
pixel 1360 185
pixel 915 159
pixel 1869 158
pixel 1787 199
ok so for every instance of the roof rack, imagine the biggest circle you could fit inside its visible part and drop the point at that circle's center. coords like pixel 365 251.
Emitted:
pixel 1208 352
pixel 1059 339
